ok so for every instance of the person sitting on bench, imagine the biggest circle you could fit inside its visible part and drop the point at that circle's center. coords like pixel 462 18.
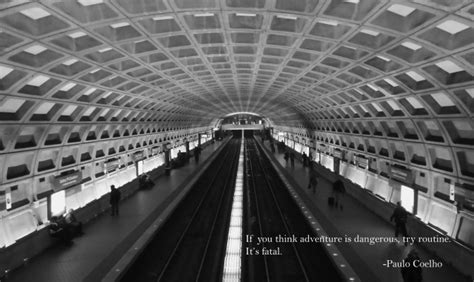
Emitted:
pixel 74 226
pixel 145 181
pixel 58 229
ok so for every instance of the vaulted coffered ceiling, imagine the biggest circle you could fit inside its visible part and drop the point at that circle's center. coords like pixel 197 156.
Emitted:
pixel 374 68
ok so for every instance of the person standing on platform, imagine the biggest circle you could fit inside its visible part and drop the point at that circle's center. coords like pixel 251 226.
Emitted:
pixel 292 159
pixel 411 273
pixel 313 181
pixel 400 215
pixel 338 191
pixel 114 200
pixel 287 156
pixel 305 159
pixel 197 152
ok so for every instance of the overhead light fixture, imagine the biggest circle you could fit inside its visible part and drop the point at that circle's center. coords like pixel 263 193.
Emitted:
pixel 245 15
pixel 287 17
pixel 204 15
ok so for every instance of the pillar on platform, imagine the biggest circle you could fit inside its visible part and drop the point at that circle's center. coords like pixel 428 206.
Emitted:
pixel 186 144
pixel 166 149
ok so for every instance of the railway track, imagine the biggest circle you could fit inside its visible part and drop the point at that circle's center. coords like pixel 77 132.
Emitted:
pixel 191 246
pixel 270 212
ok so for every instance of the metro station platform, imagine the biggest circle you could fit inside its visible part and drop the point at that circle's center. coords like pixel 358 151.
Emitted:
pixel 106 238
pixel 355 219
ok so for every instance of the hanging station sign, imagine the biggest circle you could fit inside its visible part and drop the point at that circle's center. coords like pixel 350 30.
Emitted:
pixel 137 156
pixel 155 150
pixel 111 164
pixel 65 181
pixel 322 148
pixel 402 175
pixel 338 154
pixel 362 162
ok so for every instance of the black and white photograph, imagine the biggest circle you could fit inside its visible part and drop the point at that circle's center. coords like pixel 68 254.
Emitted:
pixel 237 140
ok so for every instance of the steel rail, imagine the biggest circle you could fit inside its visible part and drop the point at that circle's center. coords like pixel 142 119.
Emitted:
pixel 271 188
pixel 196 211
pixel 229 182
pixel 257 207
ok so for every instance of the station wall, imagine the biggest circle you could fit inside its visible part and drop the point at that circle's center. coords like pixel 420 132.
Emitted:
pixel 443 200
pixel 26 182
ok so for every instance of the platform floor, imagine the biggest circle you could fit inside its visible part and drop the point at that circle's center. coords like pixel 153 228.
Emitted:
pixel 357 219
pixel 107 238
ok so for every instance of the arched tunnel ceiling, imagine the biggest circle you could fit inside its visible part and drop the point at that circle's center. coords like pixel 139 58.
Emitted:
pixel 397 69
